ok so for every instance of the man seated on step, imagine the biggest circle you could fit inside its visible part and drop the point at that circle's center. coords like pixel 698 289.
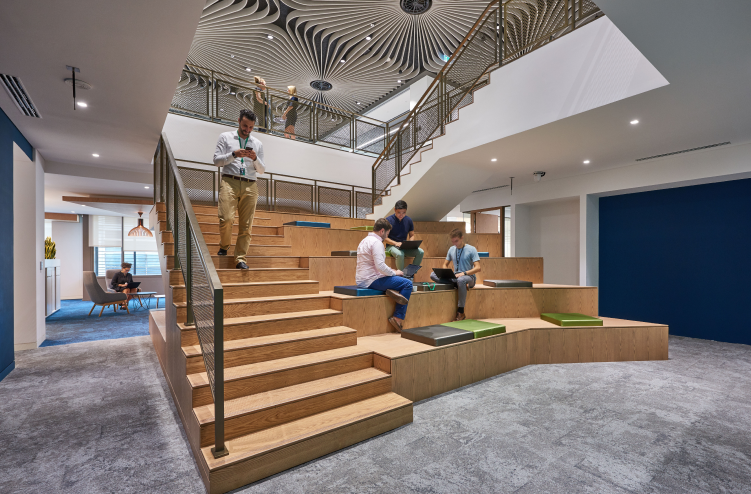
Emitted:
pixel 466 262
pixel 402 229
pixel 372 272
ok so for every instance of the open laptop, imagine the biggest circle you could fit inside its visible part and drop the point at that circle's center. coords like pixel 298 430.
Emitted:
pixel 445 274
pixel 410 244
pixel 133 284
pixel 410 270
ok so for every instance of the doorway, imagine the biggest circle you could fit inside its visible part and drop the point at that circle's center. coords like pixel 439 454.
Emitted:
pixel 494 220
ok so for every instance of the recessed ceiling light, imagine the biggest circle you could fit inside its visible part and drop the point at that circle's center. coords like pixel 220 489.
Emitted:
pixel 399 81
pixel 232 92
pixel 586 162
pixel 388 59
pixel 146 187
pixel 247 69
pixel 367 38
pixel 82 104
pixel 358 102
pixel 372 24
pixel 342 60
pixel 634 122
pixel 95 155
pixel 270 36
pixel 494 159
pixel 232 56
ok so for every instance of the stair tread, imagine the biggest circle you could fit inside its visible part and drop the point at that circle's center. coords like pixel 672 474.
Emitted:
pixel 276 298
pixel 261 269
pixel 290 394
pixel 271 366
pixel 267 440
pixel 229 321
pixel 259 283
pixel 195 350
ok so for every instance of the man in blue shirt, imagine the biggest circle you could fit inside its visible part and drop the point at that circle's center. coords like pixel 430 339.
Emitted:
pixel 402 229
pixel 466 263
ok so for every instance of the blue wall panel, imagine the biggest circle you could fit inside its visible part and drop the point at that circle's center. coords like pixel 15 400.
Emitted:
pixel 8 135
pixel 680 257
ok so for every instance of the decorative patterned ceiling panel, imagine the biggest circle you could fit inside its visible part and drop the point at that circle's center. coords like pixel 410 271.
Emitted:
pixel 362 48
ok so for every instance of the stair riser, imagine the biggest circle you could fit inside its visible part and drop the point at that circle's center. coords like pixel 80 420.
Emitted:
pixel 263 307
pixel 263 419
pixel 265 328
pixel 255 229
pixel 281 379
pixel 277 351
pixel 276 461
pixel 254 250
pixel 245 276
pixel 213 218
pixel 228 262
pixel 233 292
pixel 257 239
pixel 167 237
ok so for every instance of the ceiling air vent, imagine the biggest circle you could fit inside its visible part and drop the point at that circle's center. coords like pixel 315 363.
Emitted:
pixel 321 85
pixel 416 7
pixel 19 95
pixel 684 151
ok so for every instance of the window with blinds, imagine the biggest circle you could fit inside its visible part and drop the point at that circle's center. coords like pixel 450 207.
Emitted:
pixel 112 246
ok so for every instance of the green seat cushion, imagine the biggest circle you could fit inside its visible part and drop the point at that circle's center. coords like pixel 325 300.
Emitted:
pixel 570 319
pixel 362 228
pixel 479 328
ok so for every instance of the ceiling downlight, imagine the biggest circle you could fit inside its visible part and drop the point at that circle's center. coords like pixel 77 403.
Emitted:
pixel 20 97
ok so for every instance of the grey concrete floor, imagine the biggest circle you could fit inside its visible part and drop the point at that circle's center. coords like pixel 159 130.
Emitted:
pixel 97 417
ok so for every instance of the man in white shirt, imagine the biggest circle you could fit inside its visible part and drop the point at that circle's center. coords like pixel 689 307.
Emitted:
pixel 241 158
pixel 372 272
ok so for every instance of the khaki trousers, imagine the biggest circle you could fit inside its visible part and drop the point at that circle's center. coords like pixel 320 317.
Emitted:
pixel 240 196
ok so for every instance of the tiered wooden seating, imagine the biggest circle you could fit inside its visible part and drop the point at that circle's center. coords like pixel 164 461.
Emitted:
pixel 309 371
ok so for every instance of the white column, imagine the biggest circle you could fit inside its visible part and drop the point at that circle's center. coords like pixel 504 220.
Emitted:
pixel 589 240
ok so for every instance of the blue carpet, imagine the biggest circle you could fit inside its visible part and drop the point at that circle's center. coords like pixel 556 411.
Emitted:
pixel 72 324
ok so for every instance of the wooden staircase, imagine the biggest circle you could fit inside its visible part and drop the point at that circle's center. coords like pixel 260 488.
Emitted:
pixel 297 384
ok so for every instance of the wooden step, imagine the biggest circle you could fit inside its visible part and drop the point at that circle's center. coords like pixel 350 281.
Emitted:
pixel 237 328
pixel 228 262
pixel 245 380
pixel 257 306
pixel 214 218
pixel 254 413
pixel 253 250
pixel 249 275
pixel 272 347
pixel 255 230
pixel 260 289
pixel 213 238
pixel 255 456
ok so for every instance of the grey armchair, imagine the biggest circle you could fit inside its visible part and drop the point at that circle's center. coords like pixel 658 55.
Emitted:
pixel 108 275
pixel 99 296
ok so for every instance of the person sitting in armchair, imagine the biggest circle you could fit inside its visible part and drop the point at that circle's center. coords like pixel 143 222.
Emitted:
pixel 120 283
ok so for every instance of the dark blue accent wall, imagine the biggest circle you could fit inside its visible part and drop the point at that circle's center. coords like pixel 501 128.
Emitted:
pixel 8 135
pixel 680 257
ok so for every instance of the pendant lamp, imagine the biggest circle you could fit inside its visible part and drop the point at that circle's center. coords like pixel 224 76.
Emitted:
pixel 140 230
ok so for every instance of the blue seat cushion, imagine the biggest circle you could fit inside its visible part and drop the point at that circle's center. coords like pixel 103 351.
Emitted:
pixel 483 254
pixel 356 291
pixel 312 224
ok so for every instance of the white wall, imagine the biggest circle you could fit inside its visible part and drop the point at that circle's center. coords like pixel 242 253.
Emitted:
pixel 195 140
pixel 28 250
pixel 551 230
pixel 401 102
pixel 68 238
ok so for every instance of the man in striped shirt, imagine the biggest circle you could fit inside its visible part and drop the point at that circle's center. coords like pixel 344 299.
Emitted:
pixel 372 272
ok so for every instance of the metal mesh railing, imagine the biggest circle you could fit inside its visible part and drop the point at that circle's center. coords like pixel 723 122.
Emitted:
pixel 506 30
pixel 289 194
pixel 180 188
pixel 204 93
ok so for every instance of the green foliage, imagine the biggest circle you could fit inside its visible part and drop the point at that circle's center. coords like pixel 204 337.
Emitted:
pixel 49 248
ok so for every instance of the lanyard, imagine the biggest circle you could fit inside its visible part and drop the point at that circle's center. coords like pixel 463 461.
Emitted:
pixel 242 146
pixel 459 256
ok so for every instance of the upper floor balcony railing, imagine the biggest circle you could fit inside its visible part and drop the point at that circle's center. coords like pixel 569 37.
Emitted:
pixel 206 94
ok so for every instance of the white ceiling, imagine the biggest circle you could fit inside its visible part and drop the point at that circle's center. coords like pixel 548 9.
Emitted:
pixel 130 52
pixel 703 53
pixel 57 186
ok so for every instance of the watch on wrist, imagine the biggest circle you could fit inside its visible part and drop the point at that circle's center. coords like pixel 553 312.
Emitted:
pixel 233 154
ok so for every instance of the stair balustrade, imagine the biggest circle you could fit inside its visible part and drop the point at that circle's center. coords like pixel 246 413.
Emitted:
pixel 204 292
pixel 282 193
pixel 506 31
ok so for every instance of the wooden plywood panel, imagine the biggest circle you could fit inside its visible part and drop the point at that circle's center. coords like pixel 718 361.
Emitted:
pixel 658 343
pixel 486 223
pixel 438 226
